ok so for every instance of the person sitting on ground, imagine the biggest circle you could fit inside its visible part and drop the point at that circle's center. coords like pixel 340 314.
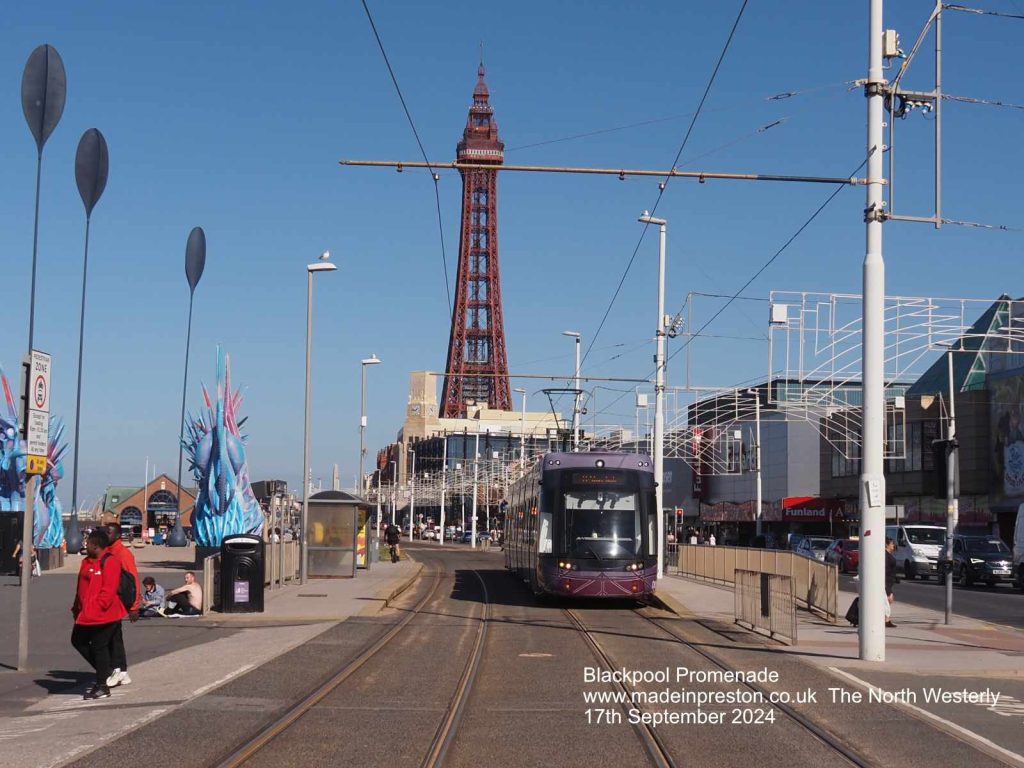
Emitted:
pixel 153 597
pixel 186 600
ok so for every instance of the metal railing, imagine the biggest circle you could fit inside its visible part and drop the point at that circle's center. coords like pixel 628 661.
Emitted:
pixel 815 584
pixel 211 573
pixel 282 563
pixel 765 601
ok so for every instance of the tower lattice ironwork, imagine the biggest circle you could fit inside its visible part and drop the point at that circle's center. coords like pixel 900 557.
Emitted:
pixel 477 359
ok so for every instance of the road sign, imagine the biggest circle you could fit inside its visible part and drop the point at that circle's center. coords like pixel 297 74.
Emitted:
pixel 35 465
pixel 37 435
pixel 39 381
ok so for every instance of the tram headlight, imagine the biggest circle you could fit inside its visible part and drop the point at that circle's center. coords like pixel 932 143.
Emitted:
pixel 634 566
pixel 565 566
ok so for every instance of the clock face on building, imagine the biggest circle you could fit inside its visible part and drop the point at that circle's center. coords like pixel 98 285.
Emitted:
pixel 414 410
pixel 432 410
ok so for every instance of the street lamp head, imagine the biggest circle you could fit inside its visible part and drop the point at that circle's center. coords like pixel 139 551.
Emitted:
pixel 646 218
pixel 573 334
pixel 371 360
pixel 519 390
pixel 323 264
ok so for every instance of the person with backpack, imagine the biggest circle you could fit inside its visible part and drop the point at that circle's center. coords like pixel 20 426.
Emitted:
pixel 97 609
pixel 118 658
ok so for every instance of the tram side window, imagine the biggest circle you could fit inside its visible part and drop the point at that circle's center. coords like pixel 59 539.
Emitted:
pixel 544 546
pixel 652 534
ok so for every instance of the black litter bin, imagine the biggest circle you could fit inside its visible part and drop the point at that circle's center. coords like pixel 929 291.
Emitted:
pixel 241 574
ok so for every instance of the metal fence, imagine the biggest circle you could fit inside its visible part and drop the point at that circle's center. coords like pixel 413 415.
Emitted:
pixel 815 584
pixel 765 601
pixel 211 572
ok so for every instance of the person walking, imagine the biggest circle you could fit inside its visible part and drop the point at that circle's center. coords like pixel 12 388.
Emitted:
pixel 118 658
pixel 97 610
pixel 890 580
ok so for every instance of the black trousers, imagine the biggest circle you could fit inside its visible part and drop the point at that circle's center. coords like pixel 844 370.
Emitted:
pixel 117 656
pixel 93 641
pixel 180 604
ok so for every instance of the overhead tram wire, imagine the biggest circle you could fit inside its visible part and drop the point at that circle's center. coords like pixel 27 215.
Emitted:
pixel 664 185
pixel 768 263
pixel 783 95
pixel 433 174
pixel 981 11
pixel 738 294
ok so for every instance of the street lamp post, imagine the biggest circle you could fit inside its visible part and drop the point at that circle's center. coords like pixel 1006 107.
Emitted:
pixel 576 386
pixel 412 494
pixel 522 429
pixel 476 478
pixel 323 265
pixel 371 360
pixel 659 388
pixel 444 482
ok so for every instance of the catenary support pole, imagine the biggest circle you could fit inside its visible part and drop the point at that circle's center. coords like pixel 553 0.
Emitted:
pixel 952 503
pixel 872 478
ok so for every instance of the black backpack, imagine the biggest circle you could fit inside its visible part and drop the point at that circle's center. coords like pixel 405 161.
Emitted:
pixel 125 587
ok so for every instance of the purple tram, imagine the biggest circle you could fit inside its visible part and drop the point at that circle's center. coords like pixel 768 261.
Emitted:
pixel 584 525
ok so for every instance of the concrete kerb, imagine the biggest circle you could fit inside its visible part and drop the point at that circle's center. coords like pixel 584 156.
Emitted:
pixel 385 595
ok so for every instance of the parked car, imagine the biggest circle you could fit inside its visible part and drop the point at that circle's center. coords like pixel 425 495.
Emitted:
pixel 820 545
pixel 803 547
pixel 467 536
pixel 845 553
pixel 429 533
pixel 980 558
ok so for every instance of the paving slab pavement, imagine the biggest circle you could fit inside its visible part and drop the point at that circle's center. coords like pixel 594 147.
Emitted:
pixel 966 679
pixel 43 714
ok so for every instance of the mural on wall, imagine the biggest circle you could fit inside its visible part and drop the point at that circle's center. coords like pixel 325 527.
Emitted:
pixel 1007 404
pixel 215 447
pixel 47 523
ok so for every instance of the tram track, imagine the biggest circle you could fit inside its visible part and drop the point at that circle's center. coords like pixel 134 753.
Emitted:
pixel 653 743
pixel 819 733
pixel 445 734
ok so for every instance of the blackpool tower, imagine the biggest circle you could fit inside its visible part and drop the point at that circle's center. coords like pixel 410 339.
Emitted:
pixel 477 361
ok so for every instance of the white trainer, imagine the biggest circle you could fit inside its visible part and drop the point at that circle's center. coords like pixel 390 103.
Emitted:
pixel 123 678
pixel 115 678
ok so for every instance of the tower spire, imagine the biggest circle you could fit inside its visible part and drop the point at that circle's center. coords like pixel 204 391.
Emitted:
pixel 477 360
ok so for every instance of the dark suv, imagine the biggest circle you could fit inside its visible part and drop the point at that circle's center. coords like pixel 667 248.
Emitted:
pixel 980 558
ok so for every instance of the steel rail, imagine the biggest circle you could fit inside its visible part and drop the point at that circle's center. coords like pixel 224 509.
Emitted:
pixel 301 707
pixel 652 742
pixel 445 735
pixel 622 173
pixel 822 735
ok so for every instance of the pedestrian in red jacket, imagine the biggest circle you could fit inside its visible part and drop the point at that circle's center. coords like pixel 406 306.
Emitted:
pixel 118 658
pixel 97 610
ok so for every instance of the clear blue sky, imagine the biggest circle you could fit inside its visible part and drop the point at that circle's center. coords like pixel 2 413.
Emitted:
pixel 232 116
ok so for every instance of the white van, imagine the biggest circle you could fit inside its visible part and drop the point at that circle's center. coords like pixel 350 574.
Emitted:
pixel 917 549
pixel 1018 549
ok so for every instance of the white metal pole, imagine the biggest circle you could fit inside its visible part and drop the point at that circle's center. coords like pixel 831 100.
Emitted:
pixel 872 485
pixel 659 401
pixel 522 435
pixel 412 494
pixel 145 502
pixel 444 483
pixel 362 425
pixel 576 401
pixel 952 503
pixel 757 461
pixel 476 477
pixel 304 540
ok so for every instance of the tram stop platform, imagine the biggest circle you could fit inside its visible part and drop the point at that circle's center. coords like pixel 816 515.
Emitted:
pixel 171 660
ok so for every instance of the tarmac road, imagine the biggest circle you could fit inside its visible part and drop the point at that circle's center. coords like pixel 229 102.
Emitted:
pixel 1001 604
pixel 529 703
